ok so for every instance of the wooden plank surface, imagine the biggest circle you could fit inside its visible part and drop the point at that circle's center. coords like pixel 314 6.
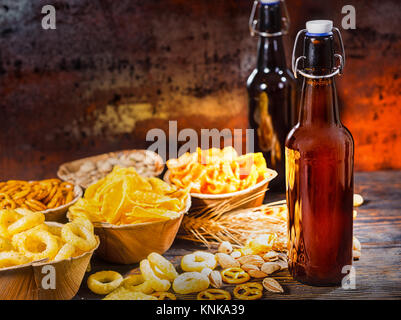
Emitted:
pixel 378 227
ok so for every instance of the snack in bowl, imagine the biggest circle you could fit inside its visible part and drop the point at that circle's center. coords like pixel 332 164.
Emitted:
pixel 35 195
pixel 217 171
pixel 124 197
pixel 84 172
pixel 132 215
pixel 24 238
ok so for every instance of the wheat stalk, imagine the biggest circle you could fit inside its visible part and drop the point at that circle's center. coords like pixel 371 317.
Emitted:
pixel 221 221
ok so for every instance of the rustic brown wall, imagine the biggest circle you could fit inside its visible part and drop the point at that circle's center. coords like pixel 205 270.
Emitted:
pixel 115 69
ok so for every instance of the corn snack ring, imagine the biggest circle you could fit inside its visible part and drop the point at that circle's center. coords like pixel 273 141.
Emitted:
pixel 104 282
pixel 78 236
pixel 49 244
pixel 12 258
pixel 65 252
pixel 148 274
pixel 166 267
pixel 190 282
pixel 197 261
pixel 26 222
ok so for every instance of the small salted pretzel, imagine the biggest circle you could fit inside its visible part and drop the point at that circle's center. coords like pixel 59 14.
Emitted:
pixel 214 294
pixel 164 296
pixel 235 275
pixel 248 291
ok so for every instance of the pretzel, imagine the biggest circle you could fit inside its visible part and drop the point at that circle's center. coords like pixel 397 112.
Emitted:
pixel 234 275
pixel 35 195
pixel 214 294
pixel 164 296
pixel 248 291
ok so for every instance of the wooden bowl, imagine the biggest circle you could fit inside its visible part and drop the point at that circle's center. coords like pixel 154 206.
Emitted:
pixel 24 282
pixel 250 197
pixel 68 168
pixel 128 244
pixel 59 214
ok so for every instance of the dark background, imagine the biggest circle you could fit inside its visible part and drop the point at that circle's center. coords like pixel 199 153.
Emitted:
pixel 115 69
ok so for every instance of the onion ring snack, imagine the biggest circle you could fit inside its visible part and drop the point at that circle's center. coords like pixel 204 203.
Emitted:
pixel 133 280
pixel 198 261
pixel 27 235
pixel 66 252
pixel 104 282
pixel 78 236
pixel 46 244
pixel 148 274
pixel 26 222
pixel 5 244
pixel 190 282
pixel 11 259
pixel 166 268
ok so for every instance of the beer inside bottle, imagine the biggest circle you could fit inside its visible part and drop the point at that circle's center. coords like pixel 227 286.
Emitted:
pixel 319 171
pixel 271 91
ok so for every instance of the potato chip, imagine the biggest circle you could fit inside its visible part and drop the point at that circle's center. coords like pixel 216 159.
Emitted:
pixel 124 197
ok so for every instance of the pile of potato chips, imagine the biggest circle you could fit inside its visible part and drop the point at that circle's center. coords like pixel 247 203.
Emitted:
pixel 217 171
pixel 125 197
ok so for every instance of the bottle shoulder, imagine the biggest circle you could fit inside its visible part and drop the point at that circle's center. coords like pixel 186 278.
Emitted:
pixel 270 77
pixel 302 138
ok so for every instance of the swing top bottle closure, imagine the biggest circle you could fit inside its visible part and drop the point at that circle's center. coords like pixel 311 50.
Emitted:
pixel 319 165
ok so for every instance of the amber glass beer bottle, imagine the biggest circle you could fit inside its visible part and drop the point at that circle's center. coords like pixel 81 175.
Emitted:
pixel 271 90
pixel 319 167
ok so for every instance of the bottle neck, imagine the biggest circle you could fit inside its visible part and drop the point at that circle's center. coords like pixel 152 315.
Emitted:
pixel 271 53
pixel 319 103
pixel 270 49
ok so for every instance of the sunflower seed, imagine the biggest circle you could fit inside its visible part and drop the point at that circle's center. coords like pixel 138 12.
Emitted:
pixel 226 261
pixel 270 267
pixel 215 279
pixel 272 285
pixel 251 259
pixel 271 256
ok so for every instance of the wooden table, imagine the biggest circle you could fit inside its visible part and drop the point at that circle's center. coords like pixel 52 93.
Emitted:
pixel 377 226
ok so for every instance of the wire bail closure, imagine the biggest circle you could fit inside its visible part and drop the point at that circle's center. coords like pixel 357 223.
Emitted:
pixel 254 22
pixel 337 70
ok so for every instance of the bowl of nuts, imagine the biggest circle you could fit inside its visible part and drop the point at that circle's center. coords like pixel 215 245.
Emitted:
pixel 86 171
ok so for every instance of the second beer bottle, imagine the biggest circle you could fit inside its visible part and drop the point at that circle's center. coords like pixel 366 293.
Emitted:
pixel 271 89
